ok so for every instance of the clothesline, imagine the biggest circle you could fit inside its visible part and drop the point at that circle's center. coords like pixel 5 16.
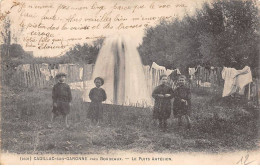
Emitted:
pixel 234 80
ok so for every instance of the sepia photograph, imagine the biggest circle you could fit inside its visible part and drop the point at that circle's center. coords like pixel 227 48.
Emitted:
pixel 169 82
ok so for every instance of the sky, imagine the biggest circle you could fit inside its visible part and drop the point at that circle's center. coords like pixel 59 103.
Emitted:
pixel 66 23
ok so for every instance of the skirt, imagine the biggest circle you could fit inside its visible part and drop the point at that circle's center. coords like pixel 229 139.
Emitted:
pixel 180 109
pixel 95 111
pixel 63 108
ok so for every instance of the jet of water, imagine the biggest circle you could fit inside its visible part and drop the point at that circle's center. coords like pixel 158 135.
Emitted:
pixel 119 64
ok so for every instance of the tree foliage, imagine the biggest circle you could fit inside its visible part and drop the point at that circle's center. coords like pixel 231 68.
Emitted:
pixel 223 33
pixel 85 53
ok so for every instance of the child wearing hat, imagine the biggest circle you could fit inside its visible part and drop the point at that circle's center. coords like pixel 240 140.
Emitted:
pixel 182 101
pixel 162 105
pixel 61 96
pixel 97 95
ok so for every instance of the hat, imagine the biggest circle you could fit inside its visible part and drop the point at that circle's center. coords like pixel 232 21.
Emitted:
pixel 101 79
pixel 60 75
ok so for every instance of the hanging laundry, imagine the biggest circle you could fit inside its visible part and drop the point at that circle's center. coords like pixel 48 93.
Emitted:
pixel 148 77
pixel 156 72
pixel 178 71
pixel 235 80
pixel 198 72
pixel 44 69
pixel 204 84
pixel 229 74
pixel 207 73
pixel 63 68
pixel 87 71
pixel 80 73
pixel 54 72
pixel 192 72
pixel 213 76
pixel 158 67
pixel 244 78
pixel 146 69
pixel 168 72
pixel 203 74
pixel 174 77
pixel 25 67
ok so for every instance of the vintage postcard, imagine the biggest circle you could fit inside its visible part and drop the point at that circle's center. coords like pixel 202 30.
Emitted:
pixel 169 82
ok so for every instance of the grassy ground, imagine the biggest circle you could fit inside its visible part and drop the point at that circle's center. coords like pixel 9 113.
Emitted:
pixel 218 125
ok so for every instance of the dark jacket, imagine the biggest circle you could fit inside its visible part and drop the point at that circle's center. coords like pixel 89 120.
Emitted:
pixel 61 92
pixel 162 106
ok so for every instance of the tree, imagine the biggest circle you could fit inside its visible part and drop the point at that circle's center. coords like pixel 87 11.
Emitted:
pixel 85 53
pixel 222 33
pixel 6 35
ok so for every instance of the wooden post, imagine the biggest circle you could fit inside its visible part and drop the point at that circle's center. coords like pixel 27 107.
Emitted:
pixel 39 75
pixel 24 79
pixel 27 79
pixel 32 74
pixel 36 76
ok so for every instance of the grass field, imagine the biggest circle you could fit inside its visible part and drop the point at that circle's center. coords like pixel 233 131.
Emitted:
pixel 218 125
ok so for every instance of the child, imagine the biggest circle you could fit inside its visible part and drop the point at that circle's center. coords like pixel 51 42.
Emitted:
pixel 96 95
pixel 61 96
pixel 182 101
pixel 162 106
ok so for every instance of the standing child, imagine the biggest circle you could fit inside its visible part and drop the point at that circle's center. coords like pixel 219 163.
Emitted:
pixel 61 96
pixel 96 95
pixel 162 106
pixel 182 101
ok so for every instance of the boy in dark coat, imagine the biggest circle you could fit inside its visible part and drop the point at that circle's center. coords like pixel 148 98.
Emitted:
pixel 162 105
pixel 61 96
pixel 182 101
pixel 96 95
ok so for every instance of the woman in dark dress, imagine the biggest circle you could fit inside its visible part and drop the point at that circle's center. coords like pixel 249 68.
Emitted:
pixel 182 101
pixel 162 106
pixel 96 95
